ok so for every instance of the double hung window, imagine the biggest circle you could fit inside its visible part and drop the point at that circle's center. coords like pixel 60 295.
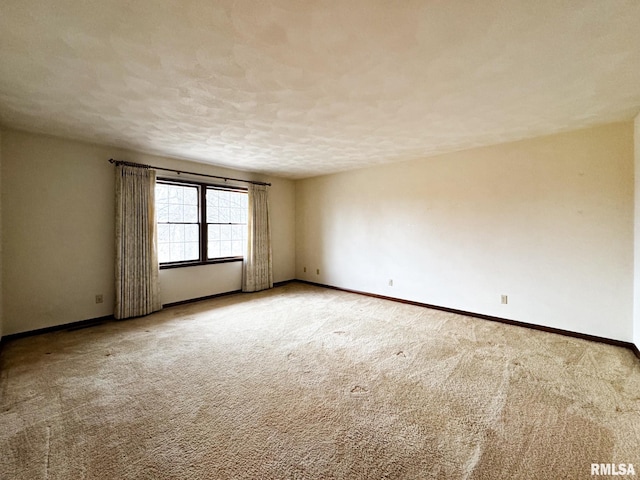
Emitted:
pixel 199 223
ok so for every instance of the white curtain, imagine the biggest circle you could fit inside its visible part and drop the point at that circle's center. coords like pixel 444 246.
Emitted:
pixel 137 287
pixel 257 266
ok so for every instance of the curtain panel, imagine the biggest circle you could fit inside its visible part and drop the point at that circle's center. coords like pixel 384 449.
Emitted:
pixel 136 269
pixel 257 266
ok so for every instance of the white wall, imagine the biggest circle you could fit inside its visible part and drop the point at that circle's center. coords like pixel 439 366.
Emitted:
pixel 636 309
pixel 548 222
pixel 58 224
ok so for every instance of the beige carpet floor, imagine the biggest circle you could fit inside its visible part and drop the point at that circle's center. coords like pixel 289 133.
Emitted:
pixel 305 382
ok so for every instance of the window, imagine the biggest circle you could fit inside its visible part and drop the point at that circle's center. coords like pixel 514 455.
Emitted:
pixel 178 222
pixel 226 223
pixel 199 223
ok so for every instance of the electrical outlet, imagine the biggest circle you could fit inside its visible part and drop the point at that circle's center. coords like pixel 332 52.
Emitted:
pixel 391 282
pixel 317 271
pixel 504 299
pixel 99 298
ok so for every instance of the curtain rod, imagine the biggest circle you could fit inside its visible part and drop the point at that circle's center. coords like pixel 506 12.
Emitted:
pixel 140 165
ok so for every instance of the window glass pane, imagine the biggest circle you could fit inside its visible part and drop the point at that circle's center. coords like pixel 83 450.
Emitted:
pixel 213 233
pixel 176 194
pixel 191 213
pixel 162 193
pixel 235 215
pixel 225 248
pixel 212 197
pixel 237 232
pixel 214 249
pixel 176 213
pixel 223 198
pixel 226 206
pixel 177 252
pixel 223 215
pixel 162 212
pixel 225 232
pixel 191 233
pixel 237 248
pixel 163 234
pixel 212 214
pixel 191 196
pixel 191 251
pixel 177 233
pixel 164 252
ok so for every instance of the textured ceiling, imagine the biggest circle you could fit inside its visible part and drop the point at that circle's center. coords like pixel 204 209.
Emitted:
pixel 299 88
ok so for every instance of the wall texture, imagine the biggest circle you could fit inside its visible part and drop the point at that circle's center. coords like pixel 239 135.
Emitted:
pixel 547 222
pixel 58 223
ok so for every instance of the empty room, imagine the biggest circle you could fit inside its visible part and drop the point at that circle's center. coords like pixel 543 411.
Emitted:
pixel 319 240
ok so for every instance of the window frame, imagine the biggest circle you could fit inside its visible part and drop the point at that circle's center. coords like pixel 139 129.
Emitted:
pixel 202 222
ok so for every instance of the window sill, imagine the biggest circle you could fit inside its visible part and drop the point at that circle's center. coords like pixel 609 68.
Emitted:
pixel 167 266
